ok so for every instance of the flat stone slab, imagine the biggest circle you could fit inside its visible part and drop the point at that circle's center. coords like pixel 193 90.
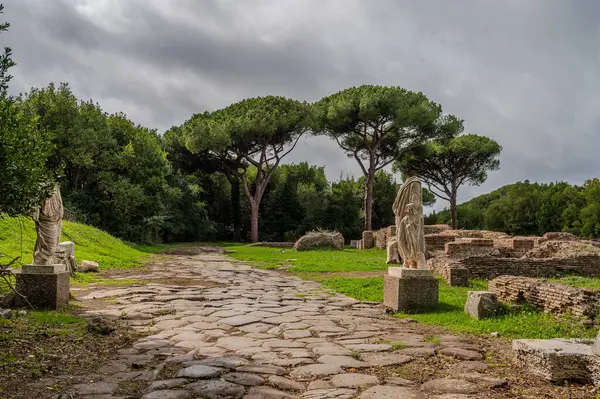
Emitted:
pixel 268 393
pixel 262 369
pixel 316 370
pixel 230 362
pixel 558 359
pixel 233 343
pixel 284 383
pixel 342 361
pixel 353 380
pixel 450 385
pixel 385 359
pixel 217 389
pixel 240 320
pixel 167 384
pixel 200 371
pixel 295 334
pixel 244 379
pixel 331 393
pixel 95 388
pixel 391 392
pixel 462 354
pixel 168 394
pixel 369 347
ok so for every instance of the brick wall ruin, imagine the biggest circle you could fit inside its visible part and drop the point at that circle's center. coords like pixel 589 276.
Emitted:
pixel 545 296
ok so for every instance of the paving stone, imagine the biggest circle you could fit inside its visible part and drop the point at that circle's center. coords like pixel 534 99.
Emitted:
pixel 217 389
pixel 319 384
pixel 316 370
pixel 168 394
pixel 331 349
pixel 385 359
pixel 468 366
pixel 267 393
pixel 169 324
pixel 229 362
pixel 390 392
pixel 95 388
pixel 417 352
pixel 369 347
pixel 226 313
pixel 300 353
pixel 188 336
pixel 400 381
pixel 462 354
pixel 333 393
pixel 450 385
pixel 284 383
pixel 281 319
pixel 353 380
pixel 294 334
pixel 489 381
pixel 159 343
pixel 282 343
pixel 166 384
pixel 233 343
pixel 244 379
pixel 292 362
pixel 343 361
pixel 200 371
pixel 240 320
pixel 262 369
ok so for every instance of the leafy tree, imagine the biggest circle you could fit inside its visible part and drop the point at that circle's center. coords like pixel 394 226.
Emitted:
pixel 344 206
pixel 255 132
pixel 375 125
pixel 24 179
pixel 446 164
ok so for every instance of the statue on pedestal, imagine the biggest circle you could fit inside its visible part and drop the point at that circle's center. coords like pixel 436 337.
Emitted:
pixel 48 225
pixel 408 245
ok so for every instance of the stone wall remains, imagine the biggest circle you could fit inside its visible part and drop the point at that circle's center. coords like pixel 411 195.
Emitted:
pixel 545 296
pixel 490 267
pixel 437 242
pixel 436 228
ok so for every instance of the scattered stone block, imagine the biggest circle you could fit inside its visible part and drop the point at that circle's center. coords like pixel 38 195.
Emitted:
pixel 558 359
pixel 320 239
pixel 410 289
pixel 88 266
pixel 481 304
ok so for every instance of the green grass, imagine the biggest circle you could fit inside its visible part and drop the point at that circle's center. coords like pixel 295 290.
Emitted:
pixel 350 259
pixel 526 323
pixel 578 281
pixel 90 244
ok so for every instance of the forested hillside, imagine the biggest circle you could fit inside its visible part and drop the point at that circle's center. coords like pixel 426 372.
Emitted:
pixel 527 208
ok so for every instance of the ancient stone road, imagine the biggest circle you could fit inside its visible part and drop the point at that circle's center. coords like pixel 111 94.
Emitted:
pixel 263 335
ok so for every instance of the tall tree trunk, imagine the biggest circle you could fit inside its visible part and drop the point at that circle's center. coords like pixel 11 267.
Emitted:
pixel 369 198
pixel 236 217
pixel 453 206
pixel 255 204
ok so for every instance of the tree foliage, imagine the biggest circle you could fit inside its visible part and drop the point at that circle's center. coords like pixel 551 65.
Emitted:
pixel 24 179
pixel 375 125
pixel 446 164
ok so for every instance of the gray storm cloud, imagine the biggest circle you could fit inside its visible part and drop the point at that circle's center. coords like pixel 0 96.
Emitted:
pixel 521 72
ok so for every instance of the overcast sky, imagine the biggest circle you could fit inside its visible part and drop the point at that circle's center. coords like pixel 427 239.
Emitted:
pixel 524 72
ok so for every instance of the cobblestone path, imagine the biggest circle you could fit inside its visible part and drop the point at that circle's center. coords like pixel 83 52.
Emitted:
pixel 259 334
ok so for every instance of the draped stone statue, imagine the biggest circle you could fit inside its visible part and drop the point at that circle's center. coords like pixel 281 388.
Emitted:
pixel 48 225
pixel 409 243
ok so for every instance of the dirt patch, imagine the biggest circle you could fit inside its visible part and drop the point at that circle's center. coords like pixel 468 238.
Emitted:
pixel 33 350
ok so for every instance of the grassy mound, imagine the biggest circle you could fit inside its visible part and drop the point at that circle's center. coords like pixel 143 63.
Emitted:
pixel 17 238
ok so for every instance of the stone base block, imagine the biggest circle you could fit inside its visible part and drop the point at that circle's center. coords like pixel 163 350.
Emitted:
pixel 558 359
pixel 409 290
pixel 45 290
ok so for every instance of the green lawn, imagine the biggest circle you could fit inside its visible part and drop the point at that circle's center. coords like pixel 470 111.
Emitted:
pixel 17 238
pixel 317 265
pixel 350 259
pixel 578 281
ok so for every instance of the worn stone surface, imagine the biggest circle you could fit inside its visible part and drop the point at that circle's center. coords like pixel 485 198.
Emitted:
pixel 450 385
pixel 248 333
pixel 353 380
pixel 168 394
pixel 391 392
pixel 481 304
pixel 462 354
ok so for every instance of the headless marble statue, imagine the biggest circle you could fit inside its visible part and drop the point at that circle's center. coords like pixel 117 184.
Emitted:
pixel 409 244
pixel 48 225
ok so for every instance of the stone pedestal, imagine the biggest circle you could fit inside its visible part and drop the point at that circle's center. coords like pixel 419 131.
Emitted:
pixel 367 239
pixel 410 290
pixel 45 286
